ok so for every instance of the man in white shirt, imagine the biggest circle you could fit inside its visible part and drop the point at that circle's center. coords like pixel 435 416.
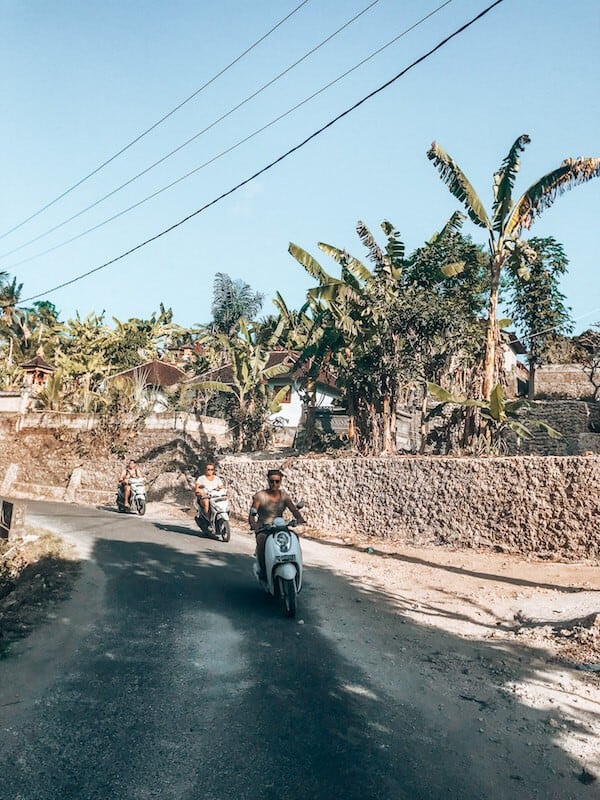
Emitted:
pixel 205 484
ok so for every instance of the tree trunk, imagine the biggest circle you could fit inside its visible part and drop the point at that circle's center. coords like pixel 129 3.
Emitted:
pixel 423 427
pixel 531 381
pixel 490 369
pixel 389 424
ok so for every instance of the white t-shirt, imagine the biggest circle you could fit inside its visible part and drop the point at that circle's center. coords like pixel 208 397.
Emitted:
pixel 208 484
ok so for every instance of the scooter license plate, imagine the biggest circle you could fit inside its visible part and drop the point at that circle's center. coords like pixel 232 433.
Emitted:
pixel 285 558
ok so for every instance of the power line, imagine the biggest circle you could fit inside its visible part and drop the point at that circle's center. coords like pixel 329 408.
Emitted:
pixel 200 133
pixel 219 155
pixel 554 327
pixel 276 161
pixel 157 123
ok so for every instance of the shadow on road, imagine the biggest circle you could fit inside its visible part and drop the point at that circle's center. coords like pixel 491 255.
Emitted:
pixel 194 685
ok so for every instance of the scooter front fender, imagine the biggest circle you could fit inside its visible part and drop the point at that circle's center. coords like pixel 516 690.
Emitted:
pixel 286 571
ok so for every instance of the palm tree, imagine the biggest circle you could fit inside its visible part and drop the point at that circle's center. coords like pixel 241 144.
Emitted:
pixel 507 222
pixel 232 301
pixel 13 320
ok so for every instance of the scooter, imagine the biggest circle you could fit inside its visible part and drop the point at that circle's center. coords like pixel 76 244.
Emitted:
pixel 283 562
pixel 137 498
pixel 217 522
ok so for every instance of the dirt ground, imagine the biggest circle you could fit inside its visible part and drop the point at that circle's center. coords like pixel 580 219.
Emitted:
pixel 529 607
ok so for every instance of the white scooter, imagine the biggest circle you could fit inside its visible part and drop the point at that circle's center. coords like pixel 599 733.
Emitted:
pixel 217 522
pixel 137 498
pixel 283 561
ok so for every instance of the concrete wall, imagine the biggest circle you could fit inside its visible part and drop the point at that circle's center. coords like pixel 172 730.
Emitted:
pixel 545 506
pixel 191 424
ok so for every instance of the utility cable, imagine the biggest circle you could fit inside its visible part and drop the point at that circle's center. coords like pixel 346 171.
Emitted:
pixel 223 152
pixel 554 327
pixel 157 123
pixel 200 133
pixel 276 161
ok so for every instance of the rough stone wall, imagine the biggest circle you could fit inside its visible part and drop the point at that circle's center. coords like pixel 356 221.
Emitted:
pixel 548 506
pixel 563 380
pixel 577 421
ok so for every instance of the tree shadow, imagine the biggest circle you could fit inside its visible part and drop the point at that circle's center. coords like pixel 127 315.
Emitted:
pixel 194 685
pixel 28 598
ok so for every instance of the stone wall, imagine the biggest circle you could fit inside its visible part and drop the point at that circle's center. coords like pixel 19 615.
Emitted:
pixel 548 506
pixel 563 380
pixel 577 421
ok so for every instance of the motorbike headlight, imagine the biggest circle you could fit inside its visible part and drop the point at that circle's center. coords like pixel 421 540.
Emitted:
pixel 284 541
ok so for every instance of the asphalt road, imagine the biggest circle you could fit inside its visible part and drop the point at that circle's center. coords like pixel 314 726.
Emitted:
pixel 169 674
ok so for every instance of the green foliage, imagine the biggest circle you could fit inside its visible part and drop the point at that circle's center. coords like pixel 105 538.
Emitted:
pixel 247 400
pixel 233 301
pixel 498 414
pixel 536 305
pixel 383 330
pixel 508 220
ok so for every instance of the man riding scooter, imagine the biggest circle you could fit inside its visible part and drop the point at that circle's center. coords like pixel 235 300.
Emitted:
pixel 266 506
pixel 131 470
pixel 204 486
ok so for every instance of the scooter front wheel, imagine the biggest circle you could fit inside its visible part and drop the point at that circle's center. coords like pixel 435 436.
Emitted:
pixel 223 529
pixel 140 505
pixel 288 590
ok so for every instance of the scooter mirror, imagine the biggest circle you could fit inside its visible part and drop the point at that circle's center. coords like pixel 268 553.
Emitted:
pixel 300 504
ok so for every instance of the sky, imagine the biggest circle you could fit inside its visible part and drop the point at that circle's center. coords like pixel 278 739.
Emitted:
pixel 83 80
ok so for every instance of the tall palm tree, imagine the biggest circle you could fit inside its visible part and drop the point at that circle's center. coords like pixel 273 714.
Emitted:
pixel 232 301
pixel 13 320
pixel 507 222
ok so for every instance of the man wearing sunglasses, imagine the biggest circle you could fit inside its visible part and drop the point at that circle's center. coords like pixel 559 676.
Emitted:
pixel 205 484
pixel 268 504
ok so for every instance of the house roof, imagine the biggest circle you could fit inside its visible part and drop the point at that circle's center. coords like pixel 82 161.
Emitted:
pixel 153 373
pixel 224 374
pixel 514 342
pixel 37 363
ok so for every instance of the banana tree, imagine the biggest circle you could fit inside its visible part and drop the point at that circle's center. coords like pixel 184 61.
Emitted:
pixel 500 414
pixel 248 373
pixel 507 222
pixel 357 329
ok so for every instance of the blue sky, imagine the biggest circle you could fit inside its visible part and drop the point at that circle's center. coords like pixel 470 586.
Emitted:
pixel 81 80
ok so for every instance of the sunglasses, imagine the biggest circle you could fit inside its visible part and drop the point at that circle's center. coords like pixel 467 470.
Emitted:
pixel 209 469
pixel 274 480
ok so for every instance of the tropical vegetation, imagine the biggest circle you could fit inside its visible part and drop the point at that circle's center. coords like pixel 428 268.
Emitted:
pixel 419 330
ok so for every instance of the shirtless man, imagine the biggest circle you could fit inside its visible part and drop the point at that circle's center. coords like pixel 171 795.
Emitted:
pixel 268 504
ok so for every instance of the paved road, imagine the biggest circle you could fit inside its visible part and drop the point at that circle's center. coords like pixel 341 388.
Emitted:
pixel 170 675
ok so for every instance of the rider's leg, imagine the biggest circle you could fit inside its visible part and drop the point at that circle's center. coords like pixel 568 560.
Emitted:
pixel 261 539
pixel 127 494
pixel 205 505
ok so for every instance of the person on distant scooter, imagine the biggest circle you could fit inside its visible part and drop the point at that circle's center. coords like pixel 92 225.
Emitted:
pixel 266 506
pixel 205 484
pixel 131 470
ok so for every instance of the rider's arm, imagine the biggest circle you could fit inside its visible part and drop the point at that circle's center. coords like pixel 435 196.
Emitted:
pixel 253 517
pixel 123 476
pixel 294 511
